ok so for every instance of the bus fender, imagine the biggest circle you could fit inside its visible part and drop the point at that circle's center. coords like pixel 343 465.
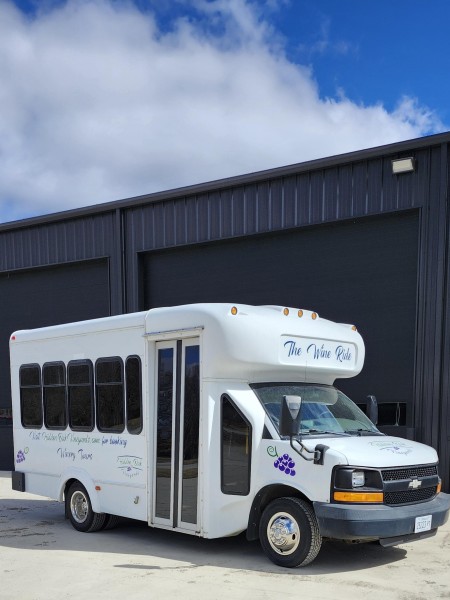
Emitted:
pixel 85 479
pixel 262 499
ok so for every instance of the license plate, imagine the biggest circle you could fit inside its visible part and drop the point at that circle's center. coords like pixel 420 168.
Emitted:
pixel 422 524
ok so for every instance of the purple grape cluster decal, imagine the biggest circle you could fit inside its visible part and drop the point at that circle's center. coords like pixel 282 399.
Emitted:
pixel 20 456
pixel 285 464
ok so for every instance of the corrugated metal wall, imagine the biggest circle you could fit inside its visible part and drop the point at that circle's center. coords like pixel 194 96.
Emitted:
pixel 57 242
pixel 347 191
pixel 350 191
pixel 66 241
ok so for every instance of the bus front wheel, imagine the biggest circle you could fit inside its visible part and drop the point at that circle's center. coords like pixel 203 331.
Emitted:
pixel 79 509
pixel 289 532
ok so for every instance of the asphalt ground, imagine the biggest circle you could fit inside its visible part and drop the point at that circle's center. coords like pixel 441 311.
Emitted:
pixel 43 557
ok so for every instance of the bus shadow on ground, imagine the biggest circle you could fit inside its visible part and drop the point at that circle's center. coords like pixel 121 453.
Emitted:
pixel 41 525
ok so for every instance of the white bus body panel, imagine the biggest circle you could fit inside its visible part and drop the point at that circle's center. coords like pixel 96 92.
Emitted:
pixel 117 463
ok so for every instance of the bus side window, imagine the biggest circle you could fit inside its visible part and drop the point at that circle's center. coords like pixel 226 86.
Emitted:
pixel 30 396
pixel 54 388
pixel 236 444
pixel 109 394
pixel 81 395
pixel 133 382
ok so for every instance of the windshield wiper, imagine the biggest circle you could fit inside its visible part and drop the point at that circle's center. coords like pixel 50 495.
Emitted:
pixel 325 431
pixel 361 431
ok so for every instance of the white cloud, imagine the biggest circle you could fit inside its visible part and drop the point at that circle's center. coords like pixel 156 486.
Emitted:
pixel 97 103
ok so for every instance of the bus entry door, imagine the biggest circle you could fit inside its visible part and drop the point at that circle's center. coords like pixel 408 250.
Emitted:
pixel 176 473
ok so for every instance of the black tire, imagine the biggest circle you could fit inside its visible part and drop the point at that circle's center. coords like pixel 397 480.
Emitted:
pixel 289 533
pixel 79 510
pixel 111 521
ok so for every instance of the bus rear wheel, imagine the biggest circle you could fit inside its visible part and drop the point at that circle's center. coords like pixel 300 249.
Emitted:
pixel 79 510
pixel 289 532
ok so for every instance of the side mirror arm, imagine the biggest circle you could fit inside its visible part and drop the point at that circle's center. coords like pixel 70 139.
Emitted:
pixel 317 454
pixel 290 423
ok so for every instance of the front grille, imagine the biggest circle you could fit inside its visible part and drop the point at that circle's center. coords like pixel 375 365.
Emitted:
pixel 409 473
pixel 401 478
pixel 409 496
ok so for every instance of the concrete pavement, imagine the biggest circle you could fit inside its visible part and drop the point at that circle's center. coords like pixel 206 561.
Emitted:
pixel 43 557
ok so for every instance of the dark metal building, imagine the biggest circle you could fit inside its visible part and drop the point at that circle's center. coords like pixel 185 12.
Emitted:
pixel 345 236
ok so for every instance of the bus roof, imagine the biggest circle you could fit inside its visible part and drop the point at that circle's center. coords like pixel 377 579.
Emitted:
pixel 240 341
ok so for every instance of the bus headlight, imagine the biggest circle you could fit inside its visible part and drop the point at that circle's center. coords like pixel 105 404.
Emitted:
pixel 358 479
pixel 357 485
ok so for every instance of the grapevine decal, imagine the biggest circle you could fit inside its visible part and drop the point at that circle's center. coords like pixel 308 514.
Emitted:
pixel 21 455
pixel 284 463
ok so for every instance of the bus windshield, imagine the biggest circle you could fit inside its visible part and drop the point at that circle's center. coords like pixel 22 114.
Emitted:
pixel 324 409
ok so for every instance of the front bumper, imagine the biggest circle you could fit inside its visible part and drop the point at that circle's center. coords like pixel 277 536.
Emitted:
pixel 389 524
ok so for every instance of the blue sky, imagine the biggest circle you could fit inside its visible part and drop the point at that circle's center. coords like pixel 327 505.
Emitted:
pixel 376 51
pixel 106 99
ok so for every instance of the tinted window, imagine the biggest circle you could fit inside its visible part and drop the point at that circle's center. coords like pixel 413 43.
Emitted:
pixel 30 396
pixel 81 396
pixel 80 373
pixel 55 411
pixel 108 370
pixel 134 394
pixel 164 432
pixel 236 446
pixel 109 394
pixel 324 408
pixel 190 434
pixel 30 375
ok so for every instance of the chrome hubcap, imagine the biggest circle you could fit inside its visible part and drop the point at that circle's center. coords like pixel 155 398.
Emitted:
pixel 79 507
pixel 283 533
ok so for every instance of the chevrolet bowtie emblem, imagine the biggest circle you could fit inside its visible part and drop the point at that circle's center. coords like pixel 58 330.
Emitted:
pixel 414 484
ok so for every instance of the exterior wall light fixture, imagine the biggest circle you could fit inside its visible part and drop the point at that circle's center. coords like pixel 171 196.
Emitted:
pixel 403 165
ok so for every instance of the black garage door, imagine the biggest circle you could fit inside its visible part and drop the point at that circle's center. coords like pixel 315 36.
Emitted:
pixel 41 297
pixel 362 272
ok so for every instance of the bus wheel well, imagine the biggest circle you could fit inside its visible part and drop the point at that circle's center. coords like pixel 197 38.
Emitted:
pixel 80 510
pixel 262 499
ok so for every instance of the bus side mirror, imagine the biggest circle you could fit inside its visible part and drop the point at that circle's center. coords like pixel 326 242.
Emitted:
pixel 290 416
pixel 372 409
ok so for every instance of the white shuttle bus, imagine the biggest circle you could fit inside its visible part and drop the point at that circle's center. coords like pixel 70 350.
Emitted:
pixel 212 420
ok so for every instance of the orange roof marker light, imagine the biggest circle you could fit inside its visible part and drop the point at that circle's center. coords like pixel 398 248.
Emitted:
pixel 300 313
pixel 234 310
pixel 314 316
pixel 286 312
